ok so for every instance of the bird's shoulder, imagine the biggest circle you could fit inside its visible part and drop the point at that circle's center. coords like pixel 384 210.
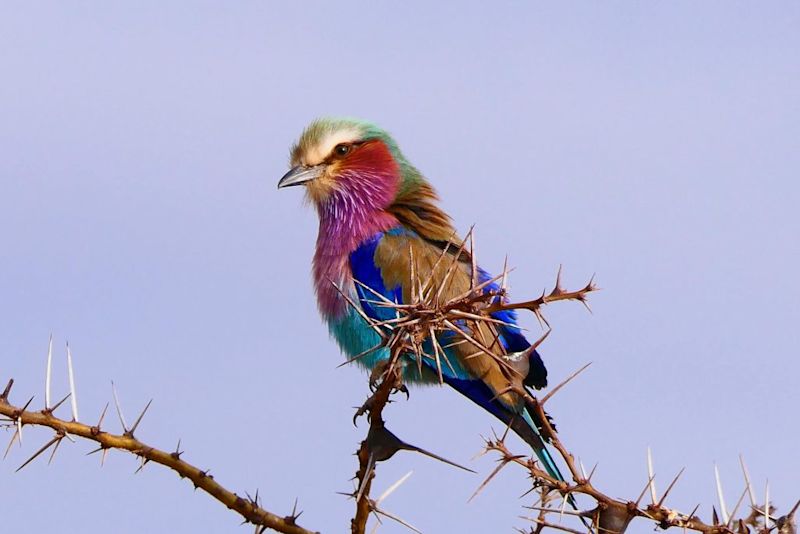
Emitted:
pixel 393 261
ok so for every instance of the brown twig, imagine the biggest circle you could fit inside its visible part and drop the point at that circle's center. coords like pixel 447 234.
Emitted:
pixel 614 515
pixel 248 508
pixel 366 458
pixel 429 313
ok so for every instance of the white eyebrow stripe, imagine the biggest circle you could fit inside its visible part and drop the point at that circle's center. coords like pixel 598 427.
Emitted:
pixel 317 153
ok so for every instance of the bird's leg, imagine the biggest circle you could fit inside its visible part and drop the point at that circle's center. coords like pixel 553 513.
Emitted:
pixel 377 374
pixel 385 379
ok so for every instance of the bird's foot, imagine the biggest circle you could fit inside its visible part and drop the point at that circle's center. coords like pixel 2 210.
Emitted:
pixel 365 408
pixel 384 381
pixel 373 402
pixel 384 371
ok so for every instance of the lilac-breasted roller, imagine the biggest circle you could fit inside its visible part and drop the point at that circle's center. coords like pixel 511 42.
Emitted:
pixel 375 210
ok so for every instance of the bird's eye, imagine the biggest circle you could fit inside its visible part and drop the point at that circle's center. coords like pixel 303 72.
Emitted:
pixel 341 149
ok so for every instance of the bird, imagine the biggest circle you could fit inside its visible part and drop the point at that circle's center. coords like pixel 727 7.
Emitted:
pixel 376 209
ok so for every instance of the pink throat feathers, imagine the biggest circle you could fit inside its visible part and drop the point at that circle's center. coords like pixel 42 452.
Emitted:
pixel 352 213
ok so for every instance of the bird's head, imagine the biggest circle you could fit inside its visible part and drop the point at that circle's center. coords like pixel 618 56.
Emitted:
pixel 337 159
pixel 354 171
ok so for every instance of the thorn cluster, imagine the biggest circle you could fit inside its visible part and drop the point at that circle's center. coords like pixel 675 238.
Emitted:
pixel 611 515
pixel 414 336
pixel 467 316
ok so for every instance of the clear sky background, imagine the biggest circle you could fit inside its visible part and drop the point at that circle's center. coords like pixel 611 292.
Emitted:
pixel 656 144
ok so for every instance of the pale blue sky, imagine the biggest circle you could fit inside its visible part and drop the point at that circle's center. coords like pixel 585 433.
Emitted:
pixel 654 143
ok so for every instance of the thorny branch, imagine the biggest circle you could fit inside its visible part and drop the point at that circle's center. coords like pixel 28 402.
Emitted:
pixel 381 444
pixel 413 336
pixel 368 453
pixel 18 417
pixel 427 315
pixel 419 321
pixel 613 515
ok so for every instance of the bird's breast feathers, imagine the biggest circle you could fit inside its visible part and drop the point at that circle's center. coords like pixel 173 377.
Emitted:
pixel 377 271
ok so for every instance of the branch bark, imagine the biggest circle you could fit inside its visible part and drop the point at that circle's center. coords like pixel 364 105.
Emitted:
pixel 248 508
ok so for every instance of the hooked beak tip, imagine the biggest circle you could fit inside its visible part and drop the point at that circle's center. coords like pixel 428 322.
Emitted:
pixel 300 175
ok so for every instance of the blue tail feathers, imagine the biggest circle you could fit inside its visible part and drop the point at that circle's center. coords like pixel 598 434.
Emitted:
pixel 543 454
pixel 522 424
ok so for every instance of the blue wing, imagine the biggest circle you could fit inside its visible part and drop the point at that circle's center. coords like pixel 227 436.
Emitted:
pixel 366 270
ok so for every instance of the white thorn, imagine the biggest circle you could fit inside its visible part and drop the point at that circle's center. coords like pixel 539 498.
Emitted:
pixel 400 520
pixel 750 492
pixel 736 509
pixel 722 507
pixel 73 394
pixel 49 373
pixel 505 274
pixel 650 476
pixel 119 409
pixel 473 260
pixel 563 507
pixel 392 488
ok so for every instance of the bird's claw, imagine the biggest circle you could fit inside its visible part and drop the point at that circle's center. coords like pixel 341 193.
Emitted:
pixel 364 409
pixel 384 370
pixel 380 373
pixel 403 389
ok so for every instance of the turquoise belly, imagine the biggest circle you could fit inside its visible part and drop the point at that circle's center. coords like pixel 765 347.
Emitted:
pixel 355 336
